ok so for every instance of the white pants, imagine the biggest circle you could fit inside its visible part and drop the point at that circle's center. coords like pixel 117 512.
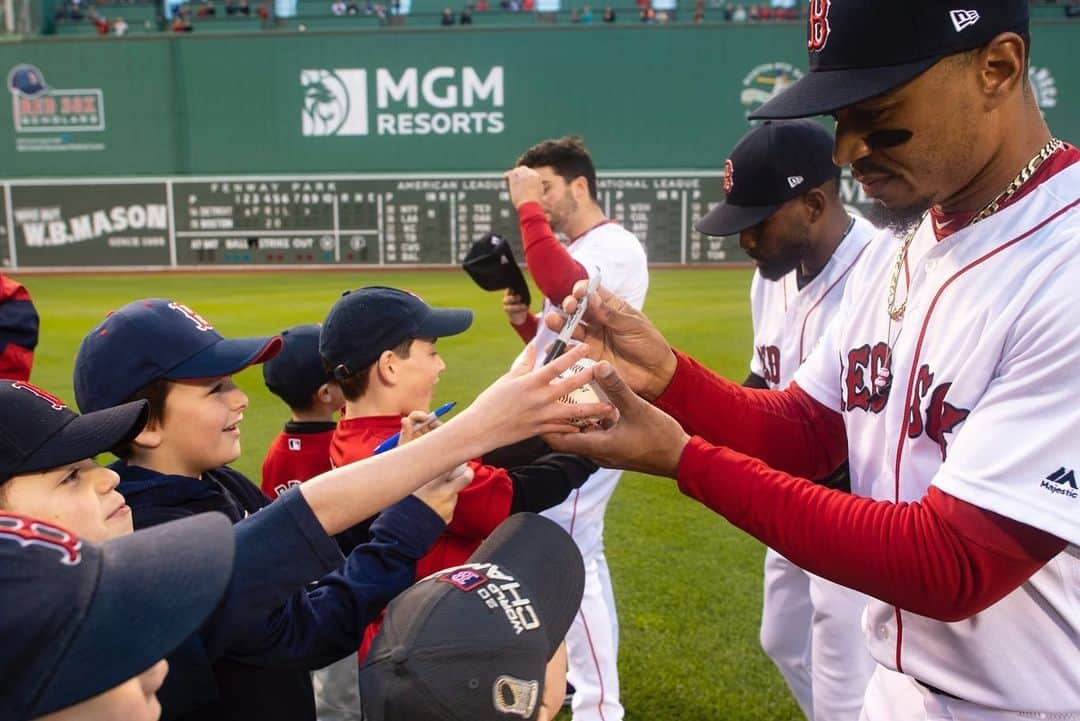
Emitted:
pixel 893 696
pixel 810 628
pixel 592 643
pixel 337 691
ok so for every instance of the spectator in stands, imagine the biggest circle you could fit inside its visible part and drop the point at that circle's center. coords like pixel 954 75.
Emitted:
pixel 586 15
pixel 119 27
pixel 206 9
pixel 466 16
pixel 647 14
pixel 609 14
pixel 338 7
pixel 739 14
pixel 699 11
pixel 99 21
pixel 753 13
pixel 245 8
pixel 18 330
pixel 575 15
pixel 729 12
pixel 1072 10
pixel 525 6
pixel 447 17
pixel 180 24
pixel 482 6
pixel 264 11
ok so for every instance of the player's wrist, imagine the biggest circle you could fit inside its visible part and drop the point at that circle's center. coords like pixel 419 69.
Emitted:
pixel 660 378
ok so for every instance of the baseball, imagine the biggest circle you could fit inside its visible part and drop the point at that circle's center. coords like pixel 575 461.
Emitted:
pixel 588 393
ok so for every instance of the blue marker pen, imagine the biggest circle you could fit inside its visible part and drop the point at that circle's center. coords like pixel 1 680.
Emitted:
pixel 392 441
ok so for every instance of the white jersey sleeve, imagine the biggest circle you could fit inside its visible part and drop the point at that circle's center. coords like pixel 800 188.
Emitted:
pixel 1019 452
pixel 619 257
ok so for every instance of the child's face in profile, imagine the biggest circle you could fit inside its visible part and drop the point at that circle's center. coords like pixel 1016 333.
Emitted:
pixel 133 700
pixel 200 427
pixel 417 375
pixel 80 497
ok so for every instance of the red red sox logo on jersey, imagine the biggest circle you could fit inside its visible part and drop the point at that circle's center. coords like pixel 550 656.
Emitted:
pixel 769 355
pixel 28 532
pixel 818 33
pixel 56 403
pixel 864 365
pixel 938 417
pixel 200 322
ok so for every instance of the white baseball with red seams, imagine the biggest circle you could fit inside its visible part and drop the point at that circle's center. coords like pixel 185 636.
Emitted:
pixel 984 405
pixel 810 627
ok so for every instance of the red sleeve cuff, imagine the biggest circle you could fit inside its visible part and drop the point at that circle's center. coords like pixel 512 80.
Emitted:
pixel 527 330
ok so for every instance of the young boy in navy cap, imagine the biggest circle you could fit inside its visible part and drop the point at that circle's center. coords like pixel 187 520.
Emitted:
pixel 297 376
pixel 86 627
pixel 379 344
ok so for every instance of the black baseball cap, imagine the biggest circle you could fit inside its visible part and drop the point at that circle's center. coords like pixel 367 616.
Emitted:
pixel 80 619
pixel 294 374
pixel 38 431
pixel 773 163
pixel 157 338
pixel 491 263
pixel 364 323
pixel 860 49
pixel 473 642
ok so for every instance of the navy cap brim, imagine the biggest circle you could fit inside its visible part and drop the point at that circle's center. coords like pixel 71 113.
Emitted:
pixel 823 92
pixel 87 436
pixel 728 219
pixel 157 586
pixel 227 356
pixel 442 322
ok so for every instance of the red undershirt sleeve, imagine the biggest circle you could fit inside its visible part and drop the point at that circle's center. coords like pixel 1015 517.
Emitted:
pixel 788 429
pixel 550 263
pixel 527 330
pixel 941 557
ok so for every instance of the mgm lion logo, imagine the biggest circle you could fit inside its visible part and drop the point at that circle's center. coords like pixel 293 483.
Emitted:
pixel 335 102
pixel 765 82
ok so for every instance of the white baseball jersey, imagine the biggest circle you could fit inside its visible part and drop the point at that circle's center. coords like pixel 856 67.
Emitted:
pixel 809 626
pixel 593 640
pixel 984 405
pixel 788 322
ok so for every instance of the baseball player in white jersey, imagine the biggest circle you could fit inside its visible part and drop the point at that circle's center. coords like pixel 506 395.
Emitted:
pixel 947 378
pixel 554 190
pixel 783 201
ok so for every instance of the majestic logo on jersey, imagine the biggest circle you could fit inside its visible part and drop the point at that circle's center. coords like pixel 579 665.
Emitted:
pixel 295 444
pixel 939 417
pixel 200 322
pixel 1062 482
pixel 729 175
pixel 819 30
pixel 769 355
pixel 56 403
pixel 963 19
pixel 27 532
pixel 864 365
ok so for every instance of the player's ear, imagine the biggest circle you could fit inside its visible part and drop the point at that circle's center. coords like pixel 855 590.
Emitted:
pixel 387 367
pixel 814 204
pixel 580 188
pixel 1001 66
pixel 151 436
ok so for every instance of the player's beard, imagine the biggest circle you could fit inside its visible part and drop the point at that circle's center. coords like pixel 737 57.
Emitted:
pixel 898 220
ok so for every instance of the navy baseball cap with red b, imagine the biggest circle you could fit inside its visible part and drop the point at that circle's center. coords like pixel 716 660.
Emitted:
pixel 80 619
pixel 860 49
pixel 770 165
pixel 154 339
pixel 294 374
pixel 364 323
pixel 473 642
pixel 39 432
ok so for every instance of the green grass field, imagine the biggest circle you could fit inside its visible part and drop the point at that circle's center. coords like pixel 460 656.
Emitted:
pixel 687 584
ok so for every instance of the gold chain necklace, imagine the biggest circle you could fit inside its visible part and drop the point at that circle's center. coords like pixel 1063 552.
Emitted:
pixel 896 312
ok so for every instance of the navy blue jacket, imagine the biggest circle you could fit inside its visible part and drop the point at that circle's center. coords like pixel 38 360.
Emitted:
pixel 250 660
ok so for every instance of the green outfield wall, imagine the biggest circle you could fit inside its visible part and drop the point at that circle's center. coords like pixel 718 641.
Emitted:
pixel 370 108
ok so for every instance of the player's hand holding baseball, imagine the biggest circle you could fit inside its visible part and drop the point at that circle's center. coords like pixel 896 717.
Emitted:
pixel 525 186
pixel 515 308
pixel 441 494
pixel 623 336
pixel 525 402
pixel 643 439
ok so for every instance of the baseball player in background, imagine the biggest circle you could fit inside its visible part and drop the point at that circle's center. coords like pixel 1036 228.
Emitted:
pixel 947 378
pixel 553 188
pixel 783 201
